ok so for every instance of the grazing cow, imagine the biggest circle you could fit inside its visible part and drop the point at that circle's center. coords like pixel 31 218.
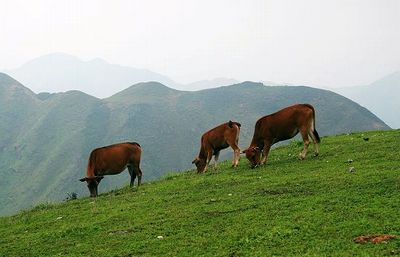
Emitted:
pixel 216 139
pixel 111 160
pixel 280 126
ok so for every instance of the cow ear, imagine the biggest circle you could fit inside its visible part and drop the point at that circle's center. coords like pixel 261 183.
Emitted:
pixel 98 179
pixel 83 179
pixel 230 123
pixel 195 161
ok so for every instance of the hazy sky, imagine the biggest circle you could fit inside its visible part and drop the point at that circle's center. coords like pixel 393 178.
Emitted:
pixel 314 42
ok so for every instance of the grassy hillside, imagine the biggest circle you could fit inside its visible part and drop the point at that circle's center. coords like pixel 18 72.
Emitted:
pixel 289 207
pixel 46 139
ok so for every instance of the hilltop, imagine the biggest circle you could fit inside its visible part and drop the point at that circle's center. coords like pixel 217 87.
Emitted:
pixel 46 138
pixel 314 207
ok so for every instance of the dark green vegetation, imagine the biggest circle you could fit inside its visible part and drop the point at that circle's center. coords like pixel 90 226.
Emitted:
pixel 45 139
pixel 289 207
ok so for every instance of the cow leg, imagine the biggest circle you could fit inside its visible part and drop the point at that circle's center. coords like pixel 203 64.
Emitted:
pixel 315 142
pixel 265 152
pixel 306 140
pixel 138 172
pixel 133 175
pixel 209 157
pixel 236 152
pixel 216 157
pixel 236 156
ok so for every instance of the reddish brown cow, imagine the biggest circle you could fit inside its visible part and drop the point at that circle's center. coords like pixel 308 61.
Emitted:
pixel 280 126
pixel 111 160
pixel 216 139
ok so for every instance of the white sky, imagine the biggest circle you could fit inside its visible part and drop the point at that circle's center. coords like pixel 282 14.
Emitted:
pixel 314 42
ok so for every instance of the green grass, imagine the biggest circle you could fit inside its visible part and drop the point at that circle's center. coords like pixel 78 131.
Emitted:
pixel 289 207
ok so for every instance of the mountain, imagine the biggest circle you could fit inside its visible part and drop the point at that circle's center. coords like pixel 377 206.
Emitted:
pixel 46 138
pixel 381 97
pixel 59 72
pixel 288 207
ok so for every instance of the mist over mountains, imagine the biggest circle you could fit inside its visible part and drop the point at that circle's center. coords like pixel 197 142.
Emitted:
pixel 58 72
pixel 382 97
pixel 46 138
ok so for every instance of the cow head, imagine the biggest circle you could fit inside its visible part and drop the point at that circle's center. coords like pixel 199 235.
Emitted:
pixel 92 184
pixel 200 164
pixel 253 154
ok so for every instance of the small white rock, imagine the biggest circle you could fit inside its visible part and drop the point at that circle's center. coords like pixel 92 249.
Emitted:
pixel 230 194
pixel 352 169
pixel 58 218
pixel 160 237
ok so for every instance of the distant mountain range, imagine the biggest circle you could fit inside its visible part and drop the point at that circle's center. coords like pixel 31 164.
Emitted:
pixel 45 139
pixel 382 97
pixel 60 72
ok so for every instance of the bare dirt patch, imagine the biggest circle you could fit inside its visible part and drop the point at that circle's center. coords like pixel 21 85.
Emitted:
pixel 375 239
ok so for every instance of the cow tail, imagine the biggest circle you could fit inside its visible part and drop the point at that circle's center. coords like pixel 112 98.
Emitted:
pixel 236 126
pixel 90 166
pixel 316 136
pixel 314 130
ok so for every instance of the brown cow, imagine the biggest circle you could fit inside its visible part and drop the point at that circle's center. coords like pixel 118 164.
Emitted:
pixel 216 139
pixel 111 160
pixel 280 126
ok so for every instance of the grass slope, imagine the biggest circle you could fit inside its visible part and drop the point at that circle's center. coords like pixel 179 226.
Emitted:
pixel 289 207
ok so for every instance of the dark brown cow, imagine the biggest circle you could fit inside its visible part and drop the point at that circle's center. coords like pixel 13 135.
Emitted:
pixel 111 160
pixel 216 139
pixel 280 126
